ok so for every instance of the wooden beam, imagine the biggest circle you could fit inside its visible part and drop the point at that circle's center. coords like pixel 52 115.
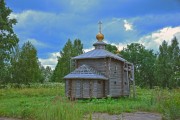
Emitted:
pixel 134 86
pixel 109 76
pixel 122 82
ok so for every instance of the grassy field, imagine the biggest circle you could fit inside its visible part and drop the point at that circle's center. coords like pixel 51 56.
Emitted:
pixel 48 102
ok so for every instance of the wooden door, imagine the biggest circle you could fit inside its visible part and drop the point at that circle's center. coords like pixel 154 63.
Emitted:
pixel 100 89
pixel 70 89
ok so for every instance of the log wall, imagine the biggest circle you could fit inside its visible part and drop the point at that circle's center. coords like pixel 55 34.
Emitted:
pixel 101 65
pixel 85 88
pixel 118 79
pixel 116 86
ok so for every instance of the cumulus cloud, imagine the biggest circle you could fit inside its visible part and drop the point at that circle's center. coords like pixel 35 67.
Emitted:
pixel 30 18
pixel 127 26
pixel 51 61
pixel 120 46
pixel 37 43
pixel 115 32
pixel 152 22
pixel 88 49
pixel 153 40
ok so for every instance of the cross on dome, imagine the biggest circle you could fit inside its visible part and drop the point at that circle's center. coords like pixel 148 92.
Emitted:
pixel 100 36
pixel 100 23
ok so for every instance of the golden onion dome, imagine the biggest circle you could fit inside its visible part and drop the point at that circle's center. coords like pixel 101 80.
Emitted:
pixel 99 36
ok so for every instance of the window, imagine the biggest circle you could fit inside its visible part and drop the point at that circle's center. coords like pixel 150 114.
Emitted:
pixel 99 82
pixel 115 82
pixel 115 69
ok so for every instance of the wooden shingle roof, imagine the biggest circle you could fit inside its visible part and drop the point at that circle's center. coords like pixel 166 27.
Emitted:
pixel 98 53
pixel 85 72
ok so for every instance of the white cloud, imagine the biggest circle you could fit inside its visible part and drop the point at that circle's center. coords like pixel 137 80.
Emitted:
pixel 13 15
pixel 36 43
pixel 31 19
pixel 51 61
pixel 153 40
pixel 114 31
pixel 120 46
pixel 127 26
pixel 88 49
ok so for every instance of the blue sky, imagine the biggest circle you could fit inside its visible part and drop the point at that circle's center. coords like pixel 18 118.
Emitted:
pixel 48 24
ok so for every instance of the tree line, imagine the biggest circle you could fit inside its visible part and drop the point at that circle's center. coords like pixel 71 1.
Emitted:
pixel 21 65
pixel 152 68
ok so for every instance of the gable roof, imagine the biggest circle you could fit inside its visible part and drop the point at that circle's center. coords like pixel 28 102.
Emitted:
pixel 85 72
pixel 99 53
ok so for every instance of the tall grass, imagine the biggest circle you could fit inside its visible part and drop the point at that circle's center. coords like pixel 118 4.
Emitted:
pixel 60 109
pixel 168 102
pixel 48 102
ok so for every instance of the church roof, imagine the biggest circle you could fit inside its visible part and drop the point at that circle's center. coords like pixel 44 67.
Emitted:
pixel 98 53
pixel 85 72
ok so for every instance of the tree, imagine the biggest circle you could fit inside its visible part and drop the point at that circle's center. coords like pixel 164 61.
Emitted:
pixel 168 64
pixel 15 66
pixel 111 48
pixel 174 54
pixel 47 73
pixel 8 40
pixel 26 69
pixel 63 66
pixel 77 47
pixel 144 63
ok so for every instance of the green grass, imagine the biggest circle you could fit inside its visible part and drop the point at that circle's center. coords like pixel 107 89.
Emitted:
pixel 48 102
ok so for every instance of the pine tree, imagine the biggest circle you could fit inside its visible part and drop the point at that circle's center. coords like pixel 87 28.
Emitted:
pixel 8 40
pixel 174 55
pixel 168 64
pixel 26 69
pixel 77 47
pixel 164 70
pixel 15 66
pixel 63 66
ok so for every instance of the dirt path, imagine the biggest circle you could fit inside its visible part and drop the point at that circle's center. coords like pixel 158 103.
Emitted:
pixel 127 116
pixel 123 116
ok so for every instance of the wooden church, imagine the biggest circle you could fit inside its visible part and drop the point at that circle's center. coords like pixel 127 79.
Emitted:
pixel 99 73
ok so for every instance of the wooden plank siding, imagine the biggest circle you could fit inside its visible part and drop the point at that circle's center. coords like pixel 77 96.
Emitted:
pixel 101 65
pixel 116 78
pixel 126 83
pixel 117 84
pixel 78 88
pixel 85 88
pixel 97 64
pixel 66 88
